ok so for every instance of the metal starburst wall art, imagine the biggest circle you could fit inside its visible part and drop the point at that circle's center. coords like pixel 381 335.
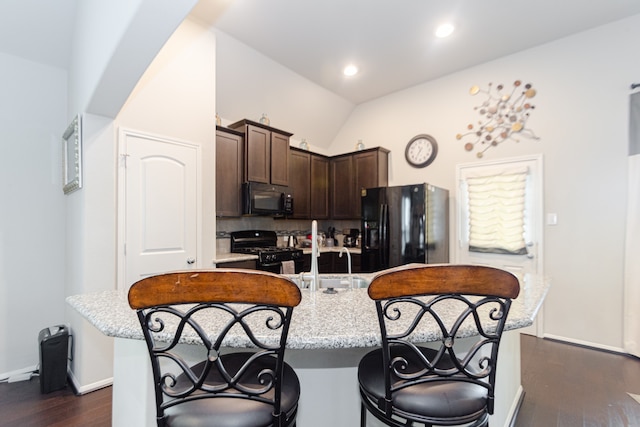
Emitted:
pixel 503 116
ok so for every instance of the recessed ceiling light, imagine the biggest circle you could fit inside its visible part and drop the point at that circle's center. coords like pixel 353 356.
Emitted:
pixel 444 30
pixel 350 70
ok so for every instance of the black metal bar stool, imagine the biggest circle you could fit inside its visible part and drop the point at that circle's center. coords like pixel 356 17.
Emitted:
pixel 233 325
pixel 451 383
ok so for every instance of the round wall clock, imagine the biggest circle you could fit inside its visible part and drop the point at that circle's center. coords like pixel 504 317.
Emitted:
pixel 421 151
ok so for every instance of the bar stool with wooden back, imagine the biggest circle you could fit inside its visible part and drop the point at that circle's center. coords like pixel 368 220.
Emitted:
pixel 450 382
pixel 216 341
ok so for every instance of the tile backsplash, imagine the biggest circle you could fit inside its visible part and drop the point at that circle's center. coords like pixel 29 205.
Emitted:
pixel 283 228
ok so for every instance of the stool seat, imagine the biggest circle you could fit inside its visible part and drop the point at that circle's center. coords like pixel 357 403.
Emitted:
pixel 233 411
pixel 430 400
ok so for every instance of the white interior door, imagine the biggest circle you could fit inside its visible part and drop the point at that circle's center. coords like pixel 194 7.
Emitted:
pixel 160 215
pixel 530 263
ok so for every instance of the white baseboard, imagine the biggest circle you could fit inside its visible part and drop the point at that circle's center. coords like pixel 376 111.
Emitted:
pixel 515 408
pixel 586 343
pixel 89 387
pixel 5 376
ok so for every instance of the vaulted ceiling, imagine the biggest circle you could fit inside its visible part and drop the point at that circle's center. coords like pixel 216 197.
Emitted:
pixel 391 42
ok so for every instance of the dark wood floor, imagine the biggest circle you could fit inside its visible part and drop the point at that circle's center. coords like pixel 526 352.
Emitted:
pixel 569 386
pixel 22 405
pixel 565 386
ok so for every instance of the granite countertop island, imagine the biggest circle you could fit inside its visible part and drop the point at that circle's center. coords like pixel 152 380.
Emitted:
pixel 346 319
pixel 329 333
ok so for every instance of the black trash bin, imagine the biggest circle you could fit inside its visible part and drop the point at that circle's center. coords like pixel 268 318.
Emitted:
pixel 54 348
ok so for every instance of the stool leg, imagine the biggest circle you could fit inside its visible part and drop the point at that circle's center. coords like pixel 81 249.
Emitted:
pixel 363 415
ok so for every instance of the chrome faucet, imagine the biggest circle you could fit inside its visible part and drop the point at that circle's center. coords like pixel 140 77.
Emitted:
pixel 346 250
pixel 312 276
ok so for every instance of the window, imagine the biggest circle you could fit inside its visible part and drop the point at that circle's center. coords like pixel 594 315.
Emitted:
pixel 496 210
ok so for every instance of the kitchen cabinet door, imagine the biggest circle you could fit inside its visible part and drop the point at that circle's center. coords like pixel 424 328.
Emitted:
pixel 341 181
pixel 229 162
pixel 340 263
pixel 371 169
pixel 299 171
pixel 258 154
pixel 279 159
pixel 248 264
pixel 325 263
pixel 355 263
pixel 319 191
pixel 350 173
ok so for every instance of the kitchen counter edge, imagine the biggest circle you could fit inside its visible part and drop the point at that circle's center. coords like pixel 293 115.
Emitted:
pixel 321 321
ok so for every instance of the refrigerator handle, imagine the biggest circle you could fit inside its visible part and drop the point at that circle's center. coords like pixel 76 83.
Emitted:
pixel 384 235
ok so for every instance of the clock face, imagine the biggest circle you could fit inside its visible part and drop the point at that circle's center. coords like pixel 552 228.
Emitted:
pixel 421 151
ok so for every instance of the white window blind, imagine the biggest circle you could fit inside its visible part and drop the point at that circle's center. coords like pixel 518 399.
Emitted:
pixel 497 211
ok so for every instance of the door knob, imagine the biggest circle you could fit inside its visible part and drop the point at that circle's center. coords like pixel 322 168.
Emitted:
pixel 191 260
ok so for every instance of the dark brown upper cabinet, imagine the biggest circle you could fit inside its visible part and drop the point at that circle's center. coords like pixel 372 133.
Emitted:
pixel 353 172
pixel 342 187
pixel 266 152
pixel 319 187
pixel 309 183
pixel 229 172
pixel 300 173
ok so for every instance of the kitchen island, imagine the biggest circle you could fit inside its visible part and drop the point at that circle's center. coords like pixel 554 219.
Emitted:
pixel 329 334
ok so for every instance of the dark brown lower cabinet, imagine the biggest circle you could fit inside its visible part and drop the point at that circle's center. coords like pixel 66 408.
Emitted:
pixel 340 264
pixel 249 264
pixel 331 262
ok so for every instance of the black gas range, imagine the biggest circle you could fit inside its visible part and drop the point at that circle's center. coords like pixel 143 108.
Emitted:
pixel 264 244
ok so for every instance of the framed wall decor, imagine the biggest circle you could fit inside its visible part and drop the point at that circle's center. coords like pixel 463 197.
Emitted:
pixel 72 156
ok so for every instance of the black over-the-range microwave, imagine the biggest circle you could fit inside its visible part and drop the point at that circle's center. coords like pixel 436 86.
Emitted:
pixel 266 199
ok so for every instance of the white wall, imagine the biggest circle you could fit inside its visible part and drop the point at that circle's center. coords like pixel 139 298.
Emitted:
pixel 581 116
pixel 112 49
pixel 176 98
pixel 114 42
pixel 98 32
pixel 54 245
pixel 249 84
pixel 32 119
pixel 90 254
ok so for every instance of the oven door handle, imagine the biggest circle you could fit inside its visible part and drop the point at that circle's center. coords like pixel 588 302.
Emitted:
pixel 270 264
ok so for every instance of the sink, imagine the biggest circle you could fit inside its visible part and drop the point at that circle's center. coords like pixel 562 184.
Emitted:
pixel 337 282
pixel 342 282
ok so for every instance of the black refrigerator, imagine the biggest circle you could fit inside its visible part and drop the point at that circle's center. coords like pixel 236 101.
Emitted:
pixel 403 225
